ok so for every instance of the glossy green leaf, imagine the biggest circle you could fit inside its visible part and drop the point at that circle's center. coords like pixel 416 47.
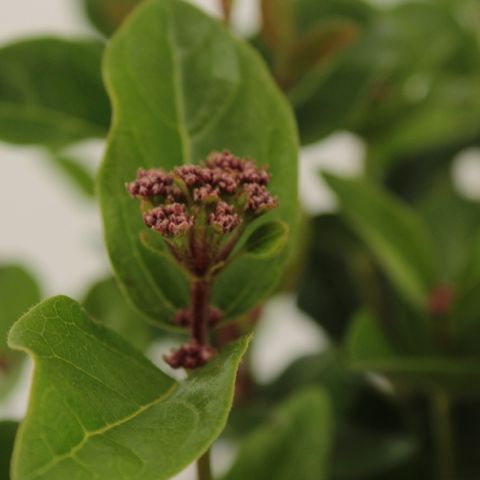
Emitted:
pixel 102 410
pixel 18 292
pixel 106 303
pixel 8 431
pixel 296 443
pixel 108 15
pixel 368 349
pixel 267 240
pixel 393 232
pixel 204 91
pixel 51 92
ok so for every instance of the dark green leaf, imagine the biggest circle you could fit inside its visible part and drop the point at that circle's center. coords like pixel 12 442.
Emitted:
pixel 8 431
pixel 51 92
pixel 107 15
pixel 162 121
pixel 363 453
pixel 18 292
pixel 267 240
pixel 368 349
pixel 330 290
pixel 106 303
pixel 295 444
pixel 104 411
pixel 393 232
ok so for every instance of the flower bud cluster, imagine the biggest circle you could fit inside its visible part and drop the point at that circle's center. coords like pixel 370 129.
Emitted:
pixel 196 208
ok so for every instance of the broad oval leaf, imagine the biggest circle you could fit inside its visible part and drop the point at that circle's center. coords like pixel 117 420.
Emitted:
pixel 18 292
pixel 183 86
pixel 104 411
pixel 296 444
pixel 394 233
pixel 51 92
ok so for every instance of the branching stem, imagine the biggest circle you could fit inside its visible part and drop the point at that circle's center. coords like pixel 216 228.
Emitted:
pixel 200 305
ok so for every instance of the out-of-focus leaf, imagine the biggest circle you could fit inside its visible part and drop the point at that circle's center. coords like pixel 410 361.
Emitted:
pixel 466 307
pixel 267 240
pixel 278 24
pixel 393 232
pixel 106 303
pixel 234 84
pixel 8 431
pixel 51 92
pixel 76 172
pixel 324 370
pixel 329 290
pixel 18 292
pixel 107 15
pixel 363 453
pixel 368 350
pixel 296 443
pixel 103 410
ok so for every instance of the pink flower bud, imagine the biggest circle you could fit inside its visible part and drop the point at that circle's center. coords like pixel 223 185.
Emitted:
pixel 224 217
pixel 170 220
pixel 260 200
pixel 151 183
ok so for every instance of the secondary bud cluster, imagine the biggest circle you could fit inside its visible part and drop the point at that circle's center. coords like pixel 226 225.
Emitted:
pixel 198 208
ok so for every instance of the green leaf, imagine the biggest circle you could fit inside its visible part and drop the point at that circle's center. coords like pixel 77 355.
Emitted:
pixel 296 443
pixel 8 431
pixel 107 15
pixel 393 232
pixel 104 411
pixel 51 92
pixel 267 240
pixel 161 120
pixel 18 292
pixel 106 303
pixel 363 453
pixel 367 349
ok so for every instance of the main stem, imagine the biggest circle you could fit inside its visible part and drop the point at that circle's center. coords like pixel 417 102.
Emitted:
pixel 200 306
pixel 201 291
pixel 204 471
pixel 443 435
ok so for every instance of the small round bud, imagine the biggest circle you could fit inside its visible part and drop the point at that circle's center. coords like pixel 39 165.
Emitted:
pixel 260 200
pixel 151 183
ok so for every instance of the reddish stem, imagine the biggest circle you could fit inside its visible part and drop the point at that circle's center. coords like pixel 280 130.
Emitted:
pixel 200 308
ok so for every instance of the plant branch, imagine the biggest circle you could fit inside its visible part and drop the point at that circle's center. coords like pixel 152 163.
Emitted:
pixel 200 305
pixel 204 470
pixel 442 435
pixel 227 7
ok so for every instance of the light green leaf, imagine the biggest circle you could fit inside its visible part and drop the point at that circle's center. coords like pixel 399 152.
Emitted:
pixel 107 15
pixel 106 303
pixel 103 411
pixel 51 92
pixel 267 240
pixel 368 350
pixel 18 292
pixel 394 233
pixel 8 431
pixel 204 91
pixel 295 444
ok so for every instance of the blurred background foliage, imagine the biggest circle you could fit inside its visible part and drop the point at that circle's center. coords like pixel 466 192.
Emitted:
pixel 392 276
